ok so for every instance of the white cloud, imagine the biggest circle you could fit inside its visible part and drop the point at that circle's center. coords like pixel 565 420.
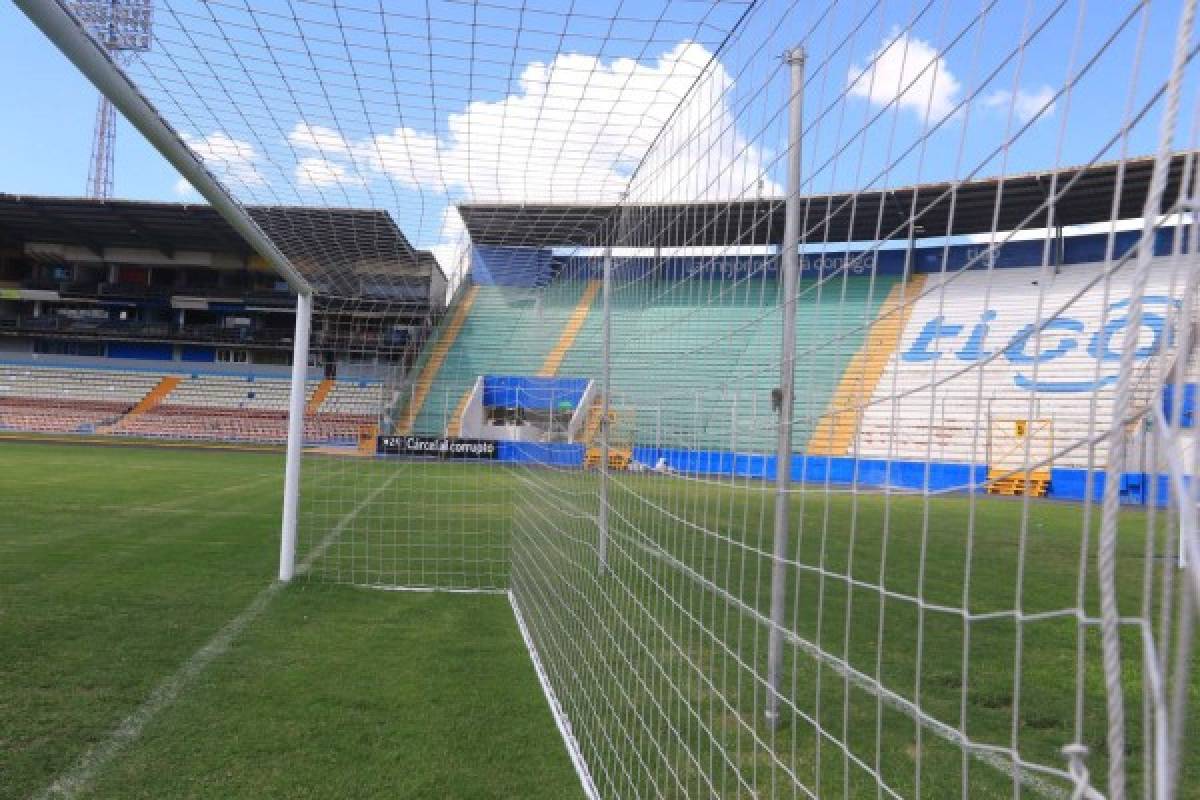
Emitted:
pixel 702 154
pixel 908 71
pixel 574 131
pixel 233 160
pixel 453 251
pixel 412 159
pixel 318 139
pixel 183 188
pixel 1027 104
pixel 315 173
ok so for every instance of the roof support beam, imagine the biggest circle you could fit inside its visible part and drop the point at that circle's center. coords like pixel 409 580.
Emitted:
pixel 1080 195
pixel 61 28
pixel 57 222
pixel 139 230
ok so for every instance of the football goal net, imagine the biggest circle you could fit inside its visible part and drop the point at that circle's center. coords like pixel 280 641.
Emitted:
pixel 818 380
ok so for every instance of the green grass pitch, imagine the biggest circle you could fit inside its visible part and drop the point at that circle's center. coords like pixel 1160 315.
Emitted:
pixel 116 564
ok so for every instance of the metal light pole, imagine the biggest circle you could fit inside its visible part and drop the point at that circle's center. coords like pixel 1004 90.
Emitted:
pixel 605 406
pixel 99 67
pixel 787 386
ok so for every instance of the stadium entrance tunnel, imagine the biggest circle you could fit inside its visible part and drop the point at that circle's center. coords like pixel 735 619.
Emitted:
pixel 517 408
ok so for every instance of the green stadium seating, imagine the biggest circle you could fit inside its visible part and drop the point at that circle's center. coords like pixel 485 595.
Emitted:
pixel 508 332
pixel 715 396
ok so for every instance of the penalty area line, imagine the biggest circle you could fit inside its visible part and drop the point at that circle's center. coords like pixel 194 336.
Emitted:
pixel 79 777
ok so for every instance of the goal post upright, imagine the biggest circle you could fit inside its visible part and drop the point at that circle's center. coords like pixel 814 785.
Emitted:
pixel 789 267
pixel 605 408
pixel 295 437
pixel 61 28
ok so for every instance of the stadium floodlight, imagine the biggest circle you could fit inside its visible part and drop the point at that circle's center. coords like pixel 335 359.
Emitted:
pixel 121 27
pixel 958 559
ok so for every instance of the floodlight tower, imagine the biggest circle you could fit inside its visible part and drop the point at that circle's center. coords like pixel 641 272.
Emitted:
pixel 122 27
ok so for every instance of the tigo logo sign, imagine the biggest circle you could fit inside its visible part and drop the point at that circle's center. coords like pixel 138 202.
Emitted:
pixel 1059 337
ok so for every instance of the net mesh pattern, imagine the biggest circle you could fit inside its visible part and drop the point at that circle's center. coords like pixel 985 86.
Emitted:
pixel 607 188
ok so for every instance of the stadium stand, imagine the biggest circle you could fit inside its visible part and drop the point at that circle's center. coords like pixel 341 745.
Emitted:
pixel 731 380
pixel 880 338
pixel 196 407
pixel 877 359
pixel 158 320
pixel 67 400
pixel 981 317
pixel 504 332
pixel 720 397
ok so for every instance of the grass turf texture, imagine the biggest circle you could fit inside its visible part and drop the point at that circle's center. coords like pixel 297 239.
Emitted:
pixel 658 672
pixel 658 661
pixel 117 564
pixel 689 573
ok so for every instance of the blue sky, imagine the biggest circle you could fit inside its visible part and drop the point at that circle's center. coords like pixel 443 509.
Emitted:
pixel 47 135
pixel 315 140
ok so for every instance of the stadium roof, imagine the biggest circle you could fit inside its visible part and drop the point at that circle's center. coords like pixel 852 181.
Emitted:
pixel 1084 195
pixel 326 235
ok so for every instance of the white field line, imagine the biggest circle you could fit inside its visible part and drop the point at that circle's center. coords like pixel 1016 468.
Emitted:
pixel 79 778
pixel 560 716
pixel 375 587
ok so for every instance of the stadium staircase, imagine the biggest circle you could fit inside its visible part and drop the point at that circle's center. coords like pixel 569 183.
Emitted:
pixel 318 396
pixel 437 357
pixel 454 428
pixel 835 432
pixel 156 395
pixel 153 399
pixel 570 331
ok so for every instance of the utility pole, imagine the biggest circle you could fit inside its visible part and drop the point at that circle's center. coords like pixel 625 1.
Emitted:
pixel 790 267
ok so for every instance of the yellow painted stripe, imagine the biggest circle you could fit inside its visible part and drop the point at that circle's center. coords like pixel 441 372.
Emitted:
pixel 152 399
pixel 574 324
pixel 454 428
pixel 155 395
pixel 318 396
pixel 436 357
pixel 835 432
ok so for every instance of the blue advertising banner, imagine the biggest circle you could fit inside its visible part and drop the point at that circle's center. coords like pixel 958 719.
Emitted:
pixel 524 266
